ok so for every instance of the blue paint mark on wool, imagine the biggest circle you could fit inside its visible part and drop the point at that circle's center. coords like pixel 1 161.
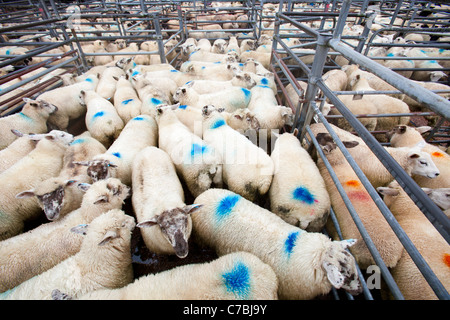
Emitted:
pixel 289 243
pixel 78 141
pixel 226 205
pixel 198 149
pixel 24 116
pixel 302 194
pixel 237 280
pixel 219 123
pixel 117 154
pixel 138 119
pixel 127 101
pixel 135 73
pixel 264 81
pixel 88 80
pixel 99 114
pixel 246 93
pixel 182 106
pixel 155 101
pixel 390 54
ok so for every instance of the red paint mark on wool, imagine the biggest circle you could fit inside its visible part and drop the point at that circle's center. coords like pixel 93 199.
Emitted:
pixel 437 154
pixel 446 259
pixel 359 195
pixel 353 183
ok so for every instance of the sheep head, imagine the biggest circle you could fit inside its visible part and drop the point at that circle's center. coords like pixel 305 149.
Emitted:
pixel 176 226
pixel 97 169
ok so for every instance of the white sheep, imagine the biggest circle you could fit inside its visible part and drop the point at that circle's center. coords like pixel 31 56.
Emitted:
pixel 196 162
pixel 262 57
pixel 201 55
pixel 32 119
pixel 43 162
pixel 247 168
pixel 150 96
pixel 189 46
pixel 117 162
pixel 247 44
pixel 204 44
pixel 266 109
pixel 297 193
pixel 440 196
pixel 412 159
pixel 107 84
pixel 404 137
pixel 17 150
pixel 235 276
pixel 211 70
pixel 57 196
pixel 67 100
pixel 230 99
pixel 50 243
pixel 104 261
pixel 384 239
pixel 428 241
pixel 233 45
pixel 102 120
pixel 219 46
pixel 126 100
pixel 306 264
pixel 243 80
pixel 158 202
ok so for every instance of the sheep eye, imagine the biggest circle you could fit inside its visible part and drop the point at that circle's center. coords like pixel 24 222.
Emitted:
pixel 424 163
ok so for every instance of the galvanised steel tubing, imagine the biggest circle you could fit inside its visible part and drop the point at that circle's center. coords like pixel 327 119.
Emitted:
pixel 431 100
pixel 351 209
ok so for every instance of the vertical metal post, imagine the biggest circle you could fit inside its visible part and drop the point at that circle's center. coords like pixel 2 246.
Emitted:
pixel 162 54
pixel 397 9
pixel 342 19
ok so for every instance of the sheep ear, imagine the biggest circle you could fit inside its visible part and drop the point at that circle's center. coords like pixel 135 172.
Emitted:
pixel 26 100
pixel 70 183
pixel 386 191
pixel 347 243
pixel 148 223
pixel 108 237
pixel 84 186
pixel 192 208
pixel 427 190
pixel 25 194
pixel 17 132
pixel 101 199
pixel 350 144
pixel 334 276
pixel 423 129
pixel 58 295
pixel 80 229
pixel 82 163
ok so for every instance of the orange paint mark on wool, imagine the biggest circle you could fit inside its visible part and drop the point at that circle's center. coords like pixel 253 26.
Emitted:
pixel 353 183
pixel 437 154
pixel 446 259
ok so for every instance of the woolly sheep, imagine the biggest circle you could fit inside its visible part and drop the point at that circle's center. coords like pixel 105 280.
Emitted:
pixel 189 46
pixel 150 96
pixel 17 150
pixel 233 45
pixel 306 264
pixel 210 70
pixel 43 162
pixel 297 193
pixel 230 99
pixel 219 46
pixel 262 57
pixel 117 161
pixel 412 159
pixel 235 276
pixel 32 119
pixel 247 168
pixel 196 162
pixel 161 214
pixel 243 80
pixel 384 239
pixel 247 44
pixel 384 104
pixel 440 196
pixel 335 79
pixel 266 109
pixel 107 84
pixel 362 106
pixel 67 100
pixel 214 57
pixel 404 136
pixel 102 120
pixel 104 261
pixel 393 64
pixel 204 44
pixel 18 261
pixel 415 105
pixel 428 241
pixel 165 84
pixel 57 196
pixel 126 100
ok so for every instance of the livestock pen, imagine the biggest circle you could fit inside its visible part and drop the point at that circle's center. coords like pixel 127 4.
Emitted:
pixel 306 40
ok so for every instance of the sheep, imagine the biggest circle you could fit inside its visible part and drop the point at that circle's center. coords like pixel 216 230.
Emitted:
pixel 415 105
pixel 254 66
pixel 266 109
pixel 230 99
pixel 335 79
pixel 107 84
pixel 165 84
pixel 393 64
pixel 43 162
pixel 219 46
pixel 161 214
pixel 126 100
pixel 196 162
pixel 428 241
pixel 412 159
pixel 424 75
pixel 235 276
pixel 104 261
pixel 247 44
pixel 440 196
pixel 17 150
pixel 189 46
pixel 201 55
pixel 67 100
pixel 384 104
pixel 32 119
pixel 363 106
pixel 57 196
pixel 117 161
pixel 243 80
pixel 233 45
pixel 297 193
pixel 306 264
pixel 102 120
pixel 150 95
pixel 18 261
pixel 261 57
pixel 404 136
pixel 247 169
pixel 384 239
pixel 211 70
